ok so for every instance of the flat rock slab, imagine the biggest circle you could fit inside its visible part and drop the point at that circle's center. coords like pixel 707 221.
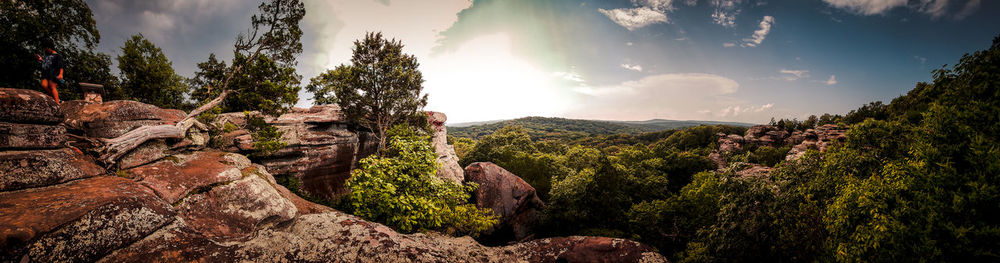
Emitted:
pixel 114 118
pixel 28 106
pixel 37 168
pixel 31 136
pixel 77 221
pixel 174 177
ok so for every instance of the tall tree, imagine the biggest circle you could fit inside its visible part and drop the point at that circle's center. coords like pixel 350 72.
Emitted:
pixel 208 79
pixel 69 24
pixel 379 89
pixel 148 76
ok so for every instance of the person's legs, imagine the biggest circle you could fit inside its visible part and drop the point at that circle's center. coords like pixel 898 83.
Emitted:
pixel 55 91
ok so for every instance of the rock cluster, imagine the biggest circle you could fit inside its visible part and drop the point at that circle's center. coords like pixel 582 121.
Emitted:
pixel 512 199
pixel 448 167
pixel 205 205
pixel 818 138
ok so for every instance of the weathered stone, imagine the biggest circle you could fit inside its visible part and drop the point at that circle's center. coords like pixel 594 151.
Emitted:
pixel 174 177
pixel 817 139
pixel 585 249
pixel 448 167
pixel 754 170
pixel 77 221
pixel 114 118
pixel 236 209
pixel 28 106
pixel 510 198
pixel 147 152
pixel 37 168
pixel 31 136
pixel 315 114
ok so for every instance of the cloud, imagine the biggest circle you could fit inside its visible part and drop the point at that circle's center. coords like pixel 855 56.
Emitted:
pixel 791 75
pixel 933 8
pixel 832 80
pixel 725 12
pixel 733 111
pixel 569 76
pixel 728 44
pixel 759 35
pixel 632 67
pixel 634 18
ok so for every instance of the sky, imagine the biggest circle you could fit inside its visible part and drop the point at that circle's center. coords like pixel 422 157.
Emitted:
pixel 723 60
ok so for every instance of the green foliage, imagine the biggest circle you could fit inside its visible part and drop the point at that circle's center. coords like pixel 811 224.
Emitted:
pixel 266 137
pixel 263 85
pixel 208 80
pixel 379 89
pixel 148 76
pixel 69 25
pixel 402 191
pixel 767 155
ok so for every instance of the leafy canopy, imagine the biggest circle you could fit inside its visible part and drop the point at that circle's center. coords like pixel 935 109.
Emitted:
pixel 148 76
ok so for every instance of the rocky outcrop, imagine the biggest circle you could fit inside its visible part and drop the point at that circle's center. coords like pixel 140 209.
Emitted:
pixel 448 167
pixel 816 139
pixel 321 149
pixel 512 199
pixel 28 106
pixel 114 118
pixel 37 168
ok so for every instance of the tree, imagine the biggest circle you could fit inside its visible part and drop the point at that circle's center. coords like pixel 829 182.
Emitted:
pixel 274 34
pixel 148 76
pixel 401 190
pixel 379 89
pixel 207 80
pixel 69 24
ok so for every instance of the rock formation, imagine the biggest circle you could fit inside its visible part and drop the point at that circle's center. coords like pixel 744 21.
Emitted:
pixel 816 139
pixel 766 135
pixel 512 199
pixel 448 167
pixel 206 205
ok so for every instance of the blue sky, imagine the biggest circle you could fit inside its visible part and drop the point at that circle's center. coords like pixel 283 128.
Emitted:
pixel 624 60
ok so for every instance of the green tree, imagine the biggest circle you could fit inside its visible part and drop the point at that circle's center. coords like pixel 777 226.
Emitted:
pixel 208 80
pixel 380 88
pixel 148 76
pixel 69 24
pixel 401 190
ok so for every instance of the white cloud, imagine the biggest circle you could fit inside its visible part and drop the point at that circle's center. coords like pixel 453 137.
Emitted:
pixel 727 44
pixel 724 19
pixel 969 8
pixel 866 7
pixel 935 8
pixel 791 75
pixel 761 33
pixel 570 76
pixel 734 111
pixel 832 80
pixel 725 12
pixel 632 67
pixel 634 18
pixel 628 44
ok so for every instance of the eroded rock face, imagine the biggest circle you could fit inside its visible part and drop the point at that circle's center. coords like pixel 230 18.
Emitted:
pixel 77 221
pixel 585 249
pixel 28 106
pixel 31 136
pixel 37 168
pixel 448 168
pixel 510 197
pixel 817 139
pixel 238 208
pixel 321 148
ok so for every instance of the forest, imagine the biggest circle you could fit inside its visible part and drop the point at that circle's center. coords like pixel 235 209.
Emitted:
pixel 916 180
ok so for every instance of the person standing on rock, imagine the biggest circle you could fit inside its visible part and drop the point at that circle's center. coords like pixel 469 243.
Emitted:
pixel 52 70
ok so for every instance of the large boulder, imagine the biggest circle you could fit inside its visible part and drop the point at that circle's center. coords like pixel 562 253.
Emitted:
pixel 28 106
pixel 448 167
pixel 37 168
pixel 114 118
pixel 510 197
pixel 174 177
pixel 77 221
pixel 31 136
pixel 818 139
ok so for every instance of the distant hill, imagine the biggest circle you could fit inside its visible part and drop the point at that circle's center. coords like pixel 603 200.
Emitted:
pixel 542 128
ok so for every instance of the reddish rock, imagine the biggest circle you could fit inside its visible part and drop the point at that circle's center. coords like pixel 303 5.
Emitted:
pixel 31 136
pixel 510 197
pixel 585 249
pixel 316 114
pixel 28 106
pixel 147 152
pixel 236 209
pixel 114 118
pixel 174 177
pixel 77 221
pixel 817 139
pixel 37 168
pixel 448 167
pixel 754 170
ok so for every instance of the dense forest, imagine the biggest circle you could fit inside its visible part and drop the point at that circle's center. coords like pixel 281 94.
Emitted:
pixel 915 180
pixel 547 128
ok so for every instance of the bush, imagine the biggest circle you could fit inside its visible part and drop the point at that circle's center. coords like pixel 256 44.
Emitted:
pixel 401 190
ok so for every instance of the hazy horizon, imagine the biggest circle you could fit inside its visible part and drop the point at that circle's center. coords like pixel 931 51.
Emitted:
pixel 715 60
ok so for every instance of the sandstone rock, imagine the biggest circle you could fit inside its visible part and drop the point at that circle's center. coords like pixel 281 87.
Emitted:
pixel 147 152
pixel 316 114
pixel 448 168
pixel 31 136
pixel 114 118
pixel 174 177
pixel 28 106
pixel 730 143
pixel 585 249
pixel 817 139
pixel 77 221
pixel 754 170
pixel 236 209
pixel 37 168
pixel 510 198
